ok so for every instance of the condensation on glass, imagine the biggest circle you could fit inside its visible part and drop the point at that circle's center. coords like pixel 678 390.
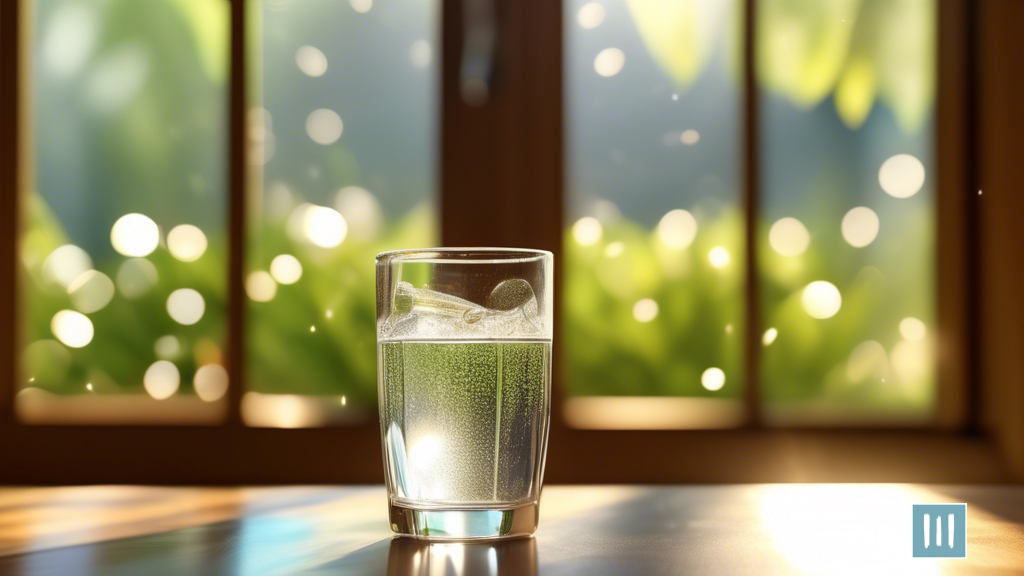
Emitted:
pixel 122 244
pixel 654 267
pixel 342 136
pixel 846 236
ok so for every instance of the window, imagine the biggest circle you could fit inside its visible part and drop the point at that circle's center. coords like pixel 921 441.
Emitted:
pixel 123 246
pixel 845 228
pixel 722 265
pixel 654 247
pixel 847 224
pixel 342 129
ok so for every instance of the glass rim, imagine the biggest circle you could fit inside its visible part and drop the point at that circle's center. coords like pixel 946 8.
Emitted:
pixel 465 255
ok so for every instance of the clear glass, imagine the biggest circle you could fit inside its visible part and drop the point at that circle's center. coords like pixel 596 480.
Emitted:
pixel 342 134
pixel 464 379
pixel 847 231
pixel 654 253
pixel 123 218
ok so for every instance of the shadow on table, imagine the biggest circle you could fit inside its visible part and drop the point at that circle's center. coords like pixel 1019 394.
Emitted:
pixel 412 557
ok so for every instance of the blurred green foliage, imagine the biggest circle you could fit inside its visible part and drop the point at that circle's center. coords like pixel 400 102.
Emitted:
pixel 861 50
pixel 336 295
pixel 699 323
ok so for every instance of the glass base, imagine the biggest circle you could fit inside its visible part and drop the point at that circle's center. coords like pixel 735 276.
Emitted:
pixel 464 524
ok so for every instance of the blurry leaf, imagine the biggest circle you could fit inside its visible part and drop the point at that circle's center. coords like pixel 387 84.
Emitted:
pixel 855 93
pixel 209 23
pixel 802 46
pixel 679 35
pixel 906 60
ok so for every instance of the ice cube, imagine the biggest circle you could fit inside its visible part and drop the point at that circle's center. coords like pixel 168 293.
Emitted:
pixel 408 298
pixel 423 313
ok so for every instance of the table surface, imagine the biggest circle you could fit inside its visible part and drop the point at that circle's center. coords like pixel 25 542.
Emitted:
pixel 735 529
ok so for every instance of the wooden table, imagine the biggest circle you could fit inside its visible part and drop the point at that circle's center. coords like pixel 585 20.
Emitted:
pixel 738 529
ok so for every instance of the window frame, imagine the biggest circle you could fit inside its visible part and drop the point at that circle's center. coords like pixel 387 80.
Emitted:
pixel 506 157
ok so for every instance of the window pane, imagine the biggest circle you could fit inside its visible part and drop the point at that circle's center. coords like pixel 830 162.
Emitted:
pixel 123 222
pixel 343 134
pixel 847 238
pixel 654 245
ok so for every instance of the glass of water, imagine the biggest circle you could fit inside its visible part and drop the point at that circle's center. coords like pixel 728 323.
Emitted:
pixel 464 378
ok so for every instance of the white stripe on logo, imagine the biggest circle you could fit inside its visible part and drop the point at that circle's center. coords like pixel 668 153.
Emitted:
pixel 938 531
pixel 950 530
pixel 927 527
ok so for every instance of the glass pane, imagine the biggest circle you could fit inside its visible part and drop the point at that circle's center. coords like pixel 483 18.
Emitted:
pixel 343 136
pixel 654 242
pixel 123 222
pixel 847 232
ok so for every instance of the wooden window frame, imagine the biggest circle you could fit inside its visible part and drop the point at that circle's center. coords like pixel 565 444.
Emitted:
pixel 506 158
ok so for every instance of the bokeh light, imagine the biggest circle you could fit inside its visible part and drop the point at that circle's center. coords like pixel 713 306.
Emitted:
pixel 420 54
pixel 609 62
pixel 186 242
pixel 73 329
pixel 614 249
pixel 821 299
pixel 913 329
pixel 789 237
pixel 712 379
pixel 135 235
pixel 286 269
pixel 311 61
pixel 91 292
pixel 587 231
pixel 677 229
pixel 324 126
pixel 116 77
pixel 769 336
pixel 689 137
pixel 161 379
pixel 860 226
pixel 590 15
pixel 911 361
pixel 186 306
pixel 167 347
pixel 210 382
pixel 65 264
pixel 901 176
pixel 867 360
pixel 135 277
pixel 719 257
pixel 323 226
pixel 645 310
pixel 260 286
pixel 70 38
pixel 361 210
pixel 361 6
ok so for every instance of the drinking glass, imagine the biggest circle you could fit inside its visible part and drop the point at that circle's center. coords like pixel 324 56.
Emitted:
pixel 464 379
